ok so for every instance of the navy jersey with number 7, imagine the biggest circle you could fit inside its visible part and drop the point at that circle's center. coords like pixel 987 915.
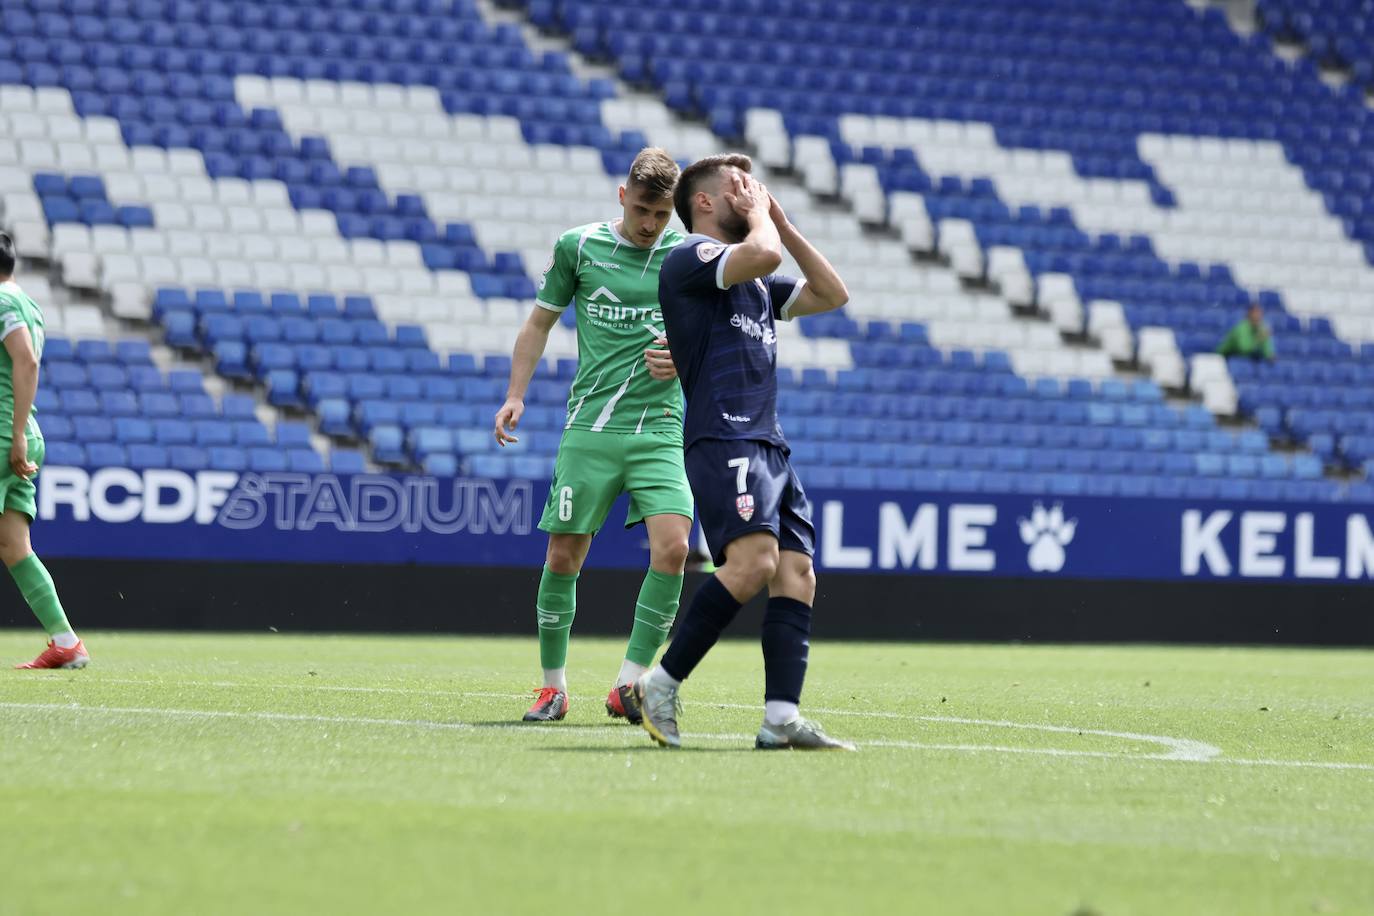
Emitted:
pixel 723 342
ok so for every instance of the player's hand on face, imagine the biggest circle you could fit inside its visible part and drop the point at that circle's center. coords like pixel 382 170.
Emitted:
pixel 19 459
pixel 746 195
pixel 660 361
pixel 507 418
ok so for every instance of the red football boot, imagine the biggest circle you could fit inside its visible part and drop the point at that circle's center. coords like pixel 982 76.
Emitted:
pixel 54 656
pixel 550 705
pixel 620 704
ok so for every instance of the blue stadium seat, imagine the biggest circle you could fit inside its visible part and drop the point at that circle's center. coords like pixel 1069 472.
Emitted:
pixel 171 432
pixel 111 404
pixel 347 461
pixel 441 465
pixel 472 441
pixel 59 348
pixel 323 305
pixel 224 458
pixel 267 460
pixel 211 433
pixel 373 413
pixel 422 362
pixel 146 378
pixel 65 375
pixel 387 444
pixel 283 388
pixel 532 467
pixel 92 428
pixel 188 458
pixel 291 435
pixel 427 440
pixel 64 454
pixel 231 359
pixel 197 406
pixel 129 430
pixel 186 381
pixel 304 460
pixel 335 417
pixel 415 413
pixel 94 351
pixel 1209 464
pixel 359 307
pixel 143 455
pixel 57 429
pixel 1307 467
pixel 104 376
pixel 158 404
pixel 250 434
pixel 100 454
pixel 490 465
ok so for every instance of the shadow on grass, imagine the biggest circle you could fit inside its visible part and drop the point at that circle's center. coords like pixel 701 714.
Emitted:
pixel 641 748
pixel 552 727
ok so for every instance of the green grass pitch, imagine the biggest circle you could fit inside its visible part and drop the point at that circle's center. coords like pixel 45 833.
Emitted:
pixel 293 774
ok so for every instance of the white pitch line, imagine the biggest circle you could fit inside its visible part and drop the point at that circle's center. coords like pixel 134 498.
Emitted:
pixel 518 728
pixel 1310 764
pixel 513 727
pixel 235 714
pixel 1177 748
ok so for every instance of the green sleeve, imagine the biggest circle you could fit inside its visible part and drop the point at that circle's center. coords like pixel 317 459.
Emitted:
pixel 1269 347
pixel 1229 344
pixel 11 315
pixel 559 282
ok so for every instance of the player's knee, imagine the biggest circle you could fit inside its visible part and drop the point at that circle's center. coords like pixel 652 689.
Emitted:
pixel 669 552
pixel 765 563
pixel 804 574
pixel 13 549
pixel 563 558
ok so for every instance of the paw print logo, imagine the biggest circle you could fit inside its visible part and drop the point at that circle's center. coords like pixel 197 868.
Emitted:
pixel 1047 533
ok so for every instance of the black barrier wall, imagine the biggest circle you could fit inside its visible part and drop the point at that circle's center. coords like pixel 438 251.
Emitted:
pixel 359 598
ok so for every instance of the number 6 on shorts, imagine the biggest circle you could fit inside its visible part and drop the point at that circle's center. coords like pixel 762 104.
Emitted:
pixel 565 507
pixel 741 466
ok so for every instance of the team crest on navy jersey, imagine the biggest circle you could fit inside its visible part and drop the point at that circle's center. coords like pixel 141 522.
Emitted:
pixel 744 504
pixel 708 251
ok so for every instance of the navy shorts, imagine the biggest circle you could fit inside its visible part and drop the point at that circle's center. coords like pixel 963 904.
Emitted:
pixel 742 486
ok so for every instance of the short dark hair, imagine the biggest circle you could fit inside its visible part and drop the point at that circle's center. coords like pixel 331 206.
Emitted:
pixel 697 174
pixel 654 172
pixel 7 256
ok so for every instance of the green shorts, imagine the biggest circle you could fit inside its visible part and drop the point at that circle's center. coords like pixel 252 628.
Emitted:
pixel 592 469
pixel 15 492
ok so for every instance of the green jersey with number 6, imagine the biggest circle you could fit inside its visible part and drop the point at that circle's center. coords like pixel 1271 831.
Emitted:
pixel 17 311
pixel 613 286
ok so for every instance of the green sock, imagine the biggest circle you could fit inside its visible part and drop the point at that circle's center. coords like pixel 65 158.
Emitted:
pixel 654 613
pixel 555 607
pixel 36 585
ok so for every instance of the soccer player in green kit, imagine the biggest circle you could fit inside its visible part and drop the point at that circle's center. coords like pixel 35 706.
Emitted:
pixel 21 329
pixel 624 426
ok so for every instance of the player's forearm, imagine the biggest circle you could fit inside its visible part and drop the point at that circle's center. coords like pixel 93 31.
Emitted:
pixel 529 349
pixel 820 275
pixel 25 389
pixel 761 248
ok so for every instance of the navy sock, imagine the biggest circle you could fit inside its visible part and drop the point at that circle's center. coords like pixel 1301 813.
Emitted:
pixel 711 610
pixel 786 644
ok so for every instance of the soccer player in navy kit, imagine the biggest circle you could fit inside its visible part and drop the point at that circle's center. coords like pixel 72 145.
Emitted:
pixel 720 297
